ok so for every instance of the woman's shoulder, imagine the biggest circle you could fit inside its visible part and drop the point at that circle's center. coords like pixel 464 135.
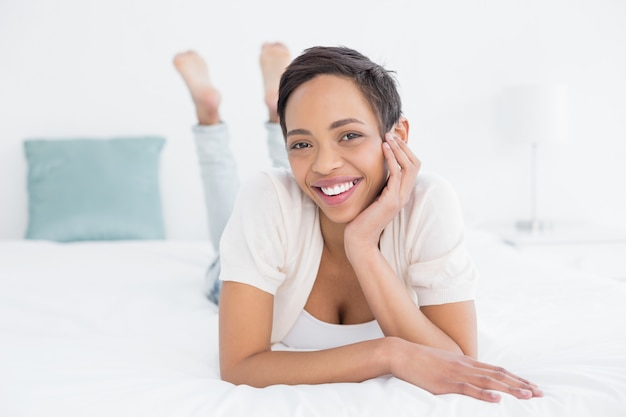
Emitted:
pixel 266 180
pixel 433 196
pixel 430 179
pixel 282 179
pixel 275 186
pixel 430 184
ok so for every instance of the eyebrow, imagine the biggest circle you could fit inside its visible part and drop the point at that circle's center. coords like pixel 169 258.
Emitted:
pixel 343 122
pixel 299 132
pixel 333 125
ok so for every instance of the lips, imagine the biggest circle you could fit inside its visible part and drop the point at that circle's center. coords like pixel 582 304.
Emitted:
pixel 337 190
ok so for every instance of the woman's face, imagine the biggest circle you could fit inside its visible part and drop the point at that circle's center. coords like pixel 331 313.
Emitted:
pixel 334 146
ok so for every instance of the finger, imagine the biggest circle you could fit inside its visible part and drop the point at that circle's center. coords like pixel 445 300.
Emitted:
pixel 399 152
pixel 407 165
pixel 404 146
pixel 407 168
pixel 488 382
pixel 501 370
pixel 392 164
pixel 501 374
pixel 470 390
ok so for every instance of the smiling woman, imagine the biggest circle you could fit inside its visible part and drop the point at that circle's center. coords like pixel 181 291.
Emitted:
pixel 331 134
pixel 342 241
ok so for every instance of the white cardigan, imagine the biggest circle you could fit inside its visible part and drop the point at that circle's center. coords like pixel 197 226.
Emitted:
pixel 273 242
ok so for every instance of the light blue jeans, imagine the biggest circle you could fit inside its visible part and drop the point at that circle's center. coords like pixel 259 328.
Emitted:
pixel 220 181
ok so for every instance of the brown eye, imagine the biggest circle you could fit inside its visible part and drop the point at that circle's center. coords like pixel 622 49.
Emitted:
pixel 299 145
pixel 350 136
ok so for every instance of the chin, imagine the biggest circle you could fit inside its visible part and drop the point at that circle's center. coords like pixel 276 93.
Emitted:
pixel 336 217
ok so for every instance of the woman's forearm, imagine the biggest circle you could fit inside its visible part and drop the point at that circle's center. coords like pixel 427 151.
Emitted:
pixel 394 310
pixel 352 363
pixel 434 370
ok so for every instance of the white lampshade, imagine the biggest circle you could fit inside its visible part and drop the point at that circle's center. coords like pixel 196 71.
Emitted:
pixel 535 113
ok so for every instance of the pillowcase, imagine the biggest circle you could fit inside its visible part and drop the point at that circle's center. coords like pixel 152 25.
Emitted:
pixel 94 189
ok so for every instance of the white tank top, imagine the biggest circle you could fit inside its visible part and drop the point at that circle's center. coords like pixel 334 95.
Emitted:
pixel 311 333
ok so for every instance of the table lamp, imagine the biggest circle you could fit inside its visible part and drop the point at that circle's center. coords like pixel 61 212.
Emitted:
pixel 534 114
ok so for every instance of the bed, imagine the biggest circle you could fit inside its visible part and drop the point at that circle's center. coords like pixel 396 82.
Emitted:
pixel 123 329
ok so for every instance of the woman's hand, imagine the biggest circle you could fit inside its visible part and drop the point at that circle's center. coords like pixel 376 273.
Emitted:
pixel 403 167
pixel 442 372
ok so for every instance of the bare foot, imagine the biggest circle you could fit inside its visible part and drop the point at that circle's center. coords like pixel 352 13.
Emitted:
pixel 205 96
pixel 274 59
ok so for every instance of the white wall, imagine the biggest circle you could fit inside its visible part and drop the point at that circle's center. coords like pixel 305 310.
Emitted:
pixel 100 68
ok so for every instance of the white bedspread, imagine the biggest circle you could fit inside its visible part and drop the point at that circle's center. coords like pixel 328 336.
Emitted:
pixel 123 329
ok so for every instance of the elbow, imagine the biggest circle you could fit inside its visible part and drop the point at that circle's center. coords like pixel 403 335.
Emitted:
pixel 230 374
pixel 240 375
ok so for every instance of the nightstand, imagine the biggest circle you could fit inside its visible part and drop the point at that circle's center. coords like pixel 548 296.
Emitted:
pixel 583 246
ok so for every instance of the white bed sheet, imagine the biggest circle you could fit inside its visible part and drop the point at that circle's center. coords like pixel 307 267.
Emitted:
pixel 123 329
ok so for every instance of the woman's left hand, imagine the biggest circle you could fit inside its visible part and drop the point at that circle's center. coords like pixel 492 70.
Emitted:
pixel 403 167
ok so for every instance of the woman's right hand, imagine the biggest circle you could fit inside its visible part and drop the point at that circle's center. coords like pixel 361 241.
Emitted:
pixel 443 372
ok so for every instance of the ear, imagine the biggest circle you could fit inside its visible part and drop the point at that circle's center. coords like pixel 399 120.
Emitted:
pixel 401 129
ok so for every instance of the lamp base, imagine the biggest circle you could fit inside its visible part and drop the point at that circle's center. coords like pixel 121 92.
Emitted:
pixel 535 226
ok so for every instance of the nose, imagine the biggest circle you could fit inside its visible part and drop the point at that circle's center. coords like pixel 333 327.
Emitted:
pixel 326 160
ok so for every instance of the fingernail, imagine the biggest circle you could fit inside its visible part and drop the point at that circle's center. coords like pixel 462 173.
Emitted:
pixel 526 393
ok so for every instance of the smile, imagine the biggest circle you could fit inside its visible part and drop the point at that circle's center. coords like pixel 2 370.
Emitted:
pixel 338 189
pixel 336 192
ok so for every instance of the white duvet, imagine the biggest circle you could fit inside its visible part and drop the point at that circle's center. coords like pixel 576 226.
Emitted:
pixel 123 329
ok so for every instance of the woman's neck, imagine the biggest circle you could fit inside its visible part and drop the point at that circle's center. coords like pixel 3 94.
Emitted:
pixel 332 233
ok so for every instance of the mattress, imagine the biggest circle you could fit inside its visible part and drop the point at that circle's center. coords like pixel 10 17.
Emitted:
pixel 124 329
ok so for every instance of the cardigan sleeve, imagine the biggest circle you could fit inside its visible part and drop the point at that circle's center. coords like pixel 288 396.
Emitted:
pixel 251 247
pixel 440 269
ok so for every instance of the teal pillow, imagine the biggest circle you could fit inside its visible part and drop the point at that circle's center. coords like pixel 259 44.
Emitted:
pixel 94 189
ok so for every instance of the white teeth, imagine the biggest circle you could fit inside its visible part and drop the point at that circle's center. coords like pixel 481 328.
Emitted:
pixel 338 189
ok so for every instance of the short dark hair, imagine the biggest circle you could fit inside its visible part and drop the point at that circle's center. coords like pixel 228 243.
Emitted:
pixel 377 84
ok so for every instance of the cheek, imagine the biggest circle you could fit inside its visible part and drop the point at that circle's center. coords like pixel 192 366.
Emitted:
pixel 379 171
pixel 298 169
pixel 374 159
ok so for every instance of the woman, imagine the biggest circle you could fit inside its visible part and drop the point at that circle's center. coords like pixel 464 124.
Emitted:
pixel 348 265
